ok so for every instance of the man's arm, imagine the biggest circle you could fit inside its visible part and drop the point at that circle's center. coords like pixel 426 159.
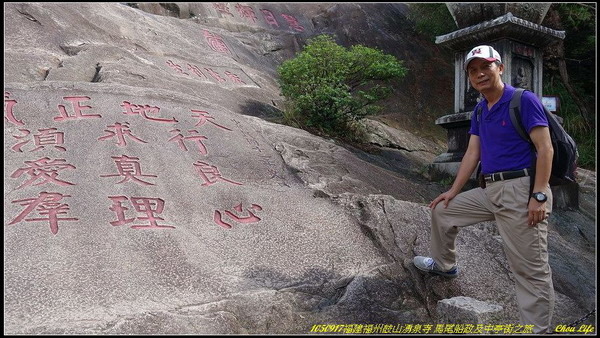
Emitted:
pixel 540 136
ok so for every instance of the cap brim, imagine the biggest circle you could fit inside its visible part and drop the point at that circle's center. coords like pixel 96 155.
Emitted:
pixel 487 59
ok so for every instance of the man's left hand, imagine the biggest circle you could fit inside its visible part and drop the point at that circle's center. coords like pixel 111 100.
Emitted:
pixel 537 212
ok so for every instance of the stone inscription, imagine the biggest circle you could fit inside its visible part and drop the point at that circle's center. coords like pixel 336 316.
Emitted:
pixel 262 16
pixel 143 205
pixel 45 137
pixel 138 212
pixel 130 169
pixel 243 218
pixel 45 204
pixel 210 74
pixel 42 171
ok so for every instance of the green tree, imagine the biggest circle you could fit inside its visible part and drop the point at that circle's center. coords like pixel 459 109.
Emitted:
pixel 569 73
pixel 328 88
pixel 431 19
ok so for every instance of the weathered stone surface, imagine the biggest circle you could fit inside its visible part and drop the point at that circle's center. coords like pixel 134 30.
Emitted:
pixel 466 310
pixel 319 232
pixel 467 14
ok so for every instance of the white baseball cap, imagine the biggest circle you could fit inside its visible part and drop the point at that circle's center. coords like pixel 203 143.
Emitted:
pixel 484 52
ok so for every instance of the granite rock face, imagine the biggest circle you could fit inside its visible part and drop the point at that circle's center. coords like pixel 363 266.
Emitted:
pixel 146 192
pixel 466 14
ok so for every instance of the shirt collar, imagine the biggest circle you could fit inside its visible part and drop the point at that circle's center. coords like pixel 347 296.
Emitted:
pixel 506 96
pixel 508 93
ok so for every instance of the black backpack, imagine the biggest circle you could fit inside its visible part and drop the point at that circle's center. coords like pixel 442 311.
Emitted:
pixel 564 162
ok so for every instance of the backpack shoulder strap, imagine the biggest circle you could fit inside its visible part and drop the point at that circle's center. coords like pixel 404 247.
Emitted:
pixel 515 118
pixel 515 113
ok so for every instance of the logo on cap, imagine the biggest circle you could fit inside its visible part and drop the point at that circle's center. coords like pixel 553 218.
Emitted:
pixel 483 51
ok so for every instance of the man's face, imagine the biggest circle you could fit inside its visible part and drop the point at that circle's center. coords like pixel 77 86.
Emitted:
pixel 484 75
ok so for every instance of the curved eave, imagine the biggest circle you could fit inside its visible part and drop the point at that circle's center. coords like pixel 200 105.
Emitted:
pixel 506 26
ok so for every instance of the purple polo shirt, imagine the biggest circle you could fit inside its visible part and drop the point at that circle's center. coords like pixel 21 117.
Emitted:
pixel 502 148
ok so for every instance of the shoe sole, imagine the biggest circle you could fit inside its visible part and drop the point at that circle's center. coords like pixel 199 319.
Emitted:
pixel 443 274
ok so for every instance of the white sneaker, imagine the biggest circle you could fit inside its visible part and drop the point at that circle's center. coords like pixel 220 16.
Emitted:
pixel 427 264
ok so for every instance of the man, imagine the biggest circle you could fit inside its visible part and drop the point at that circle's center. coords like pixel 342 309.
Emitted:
pixel 509 168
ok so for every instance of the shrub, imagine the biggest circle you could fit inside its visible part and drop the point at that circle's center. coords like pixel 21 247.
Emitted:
pixel 329 88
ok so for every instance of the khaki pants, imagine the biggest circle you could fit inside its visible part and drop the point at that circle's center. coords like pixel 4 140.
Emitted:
pixel 525 247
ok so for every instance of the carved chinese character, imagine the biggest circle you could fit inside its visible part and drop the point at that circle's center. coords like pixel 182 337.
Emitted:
pixel 44 170
pixel 222 8
pixel 204 117
pixel 8 110
pixel 145 205
pixel 133 109
pixel 45 138
pixel 46 204
pixel 198 139
pixel 269 17
pixel 17 147
pixel 77 109
pixel 130 169
pixel 246 12
pixel 216 42
pixel 215 75
pixel 293 22
pixel 176 67
pixel 121 130
pixel 197 71
pixel 234 77
pixel 250 218
pixel 210 174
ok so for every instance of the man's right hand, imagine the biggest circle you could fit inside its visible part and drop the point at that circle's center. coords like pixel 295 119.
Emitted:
pixel 446 197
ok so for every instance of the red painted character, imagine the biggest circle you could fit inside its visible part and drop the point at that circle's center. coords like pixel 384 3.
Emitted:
pixel 121 130
pixel 77 109
pixel 46 204
pixel 216 42
pixel 46 137
pixel 204 117
pixel 246 12
pixel 144 110
pixel 198 139
pixel 269 17
pixel 130 169
pixel 251 218
pixel 45 170
pixel 211 174
pixel 8 110
pixel 293 22
pixel 147 205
